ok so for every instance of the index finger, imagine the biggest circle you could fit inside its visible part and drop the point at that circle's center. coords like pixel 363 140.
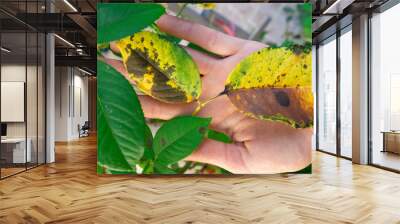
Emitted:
pixel 207 38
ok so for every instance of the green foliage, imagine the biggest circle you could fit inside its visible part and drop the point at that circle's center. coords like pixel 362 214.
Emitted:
pixel 126 141
pixel 218 136
pixel 175 140
pixel 160 169
pixel 198 48
pixel 148 144
pixel 166 36
pixel 178 137
pixel 305 11
pixel 155 63
pixel 118 20
pixel 121 128
pixel 99 169
pixel 306 170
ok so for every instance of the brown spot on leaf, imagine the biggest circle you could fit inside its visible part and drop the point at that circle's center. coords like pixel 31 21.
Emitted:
pixel 202 130
pixel 282 98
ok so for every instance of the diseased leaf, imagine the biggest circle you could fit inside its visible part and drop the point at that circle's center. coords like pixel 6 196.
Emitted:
pixel 120 122
pixel 118 20
pixel 274 84
pixel 160 68
pixel 178 138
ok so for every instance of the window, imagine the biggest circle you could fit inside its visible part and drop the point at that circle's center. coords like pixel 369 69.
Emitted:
pixel 346 92
pixel 385 89
pixel 22 77
pixel 327 96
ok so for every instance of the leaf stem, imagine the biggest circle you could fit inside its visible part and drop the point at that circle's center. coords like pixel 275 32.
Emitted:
pixel 200 105
pixel 155 27
pixel 188 165
pixel 181 10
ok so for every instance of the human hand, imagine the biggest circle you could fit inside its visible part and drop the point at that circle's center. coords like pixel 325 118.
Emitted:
pixel 259 146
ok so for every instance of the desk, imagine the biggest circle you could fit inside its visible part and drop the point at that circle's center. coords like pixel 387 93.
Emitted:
pixel 391 141
pixel 17 153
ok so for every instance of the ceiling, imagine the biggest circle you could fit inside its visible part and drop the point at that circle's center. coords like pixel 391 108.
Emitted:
pixel 328 13
pixel 75 22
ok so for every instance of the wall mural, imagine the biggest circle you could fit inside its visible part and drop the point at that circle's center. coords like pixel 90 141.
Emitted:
pixel 204 88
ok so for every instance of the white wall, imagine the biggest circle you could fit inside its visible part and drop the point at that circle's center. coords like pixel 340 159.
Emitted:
pixel 33 127
pixel 16 73
pixel 71 94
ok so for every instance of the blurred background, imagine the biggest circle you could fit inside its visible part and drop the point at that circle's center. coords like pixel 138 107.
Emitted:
pixel 268 23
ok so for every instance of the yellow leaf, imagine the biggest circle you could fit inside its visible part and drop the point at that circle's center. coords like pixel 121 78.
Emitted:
pixel 274 84
pixel 160 68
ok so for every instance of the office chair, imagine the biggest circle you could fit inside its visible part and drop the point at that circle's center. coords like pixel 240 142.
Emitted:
pixel 84 130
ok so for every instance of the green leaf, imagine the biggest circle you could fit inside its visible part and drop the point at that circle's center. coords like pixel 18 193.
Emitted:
pixel 120 122
pixel 148 168
pixel 160 169
pixel 178 138
pixel 218 136
pixel 160 68
pixel 118 20
pixel 111 171
pixel 99 169
pixel 148 146
pixel 102 47
pixel 170 38
pixel 305 11
pixel 306 170
pixel 274 84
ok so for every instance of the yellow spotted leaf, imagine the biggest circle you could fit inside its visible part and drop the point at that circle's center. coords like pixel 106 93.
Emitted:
pixel 274 84
pixel 160 68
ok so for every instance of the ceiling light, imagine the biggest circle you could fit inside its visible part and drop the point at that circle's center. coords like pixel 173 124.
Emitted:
pixel 64 40
pixel 5 50
pixel 84 71
pixel 70 5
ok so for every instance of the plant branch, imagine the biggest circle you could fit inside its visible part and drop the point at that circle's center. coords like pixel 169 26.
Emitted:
pixel 181 10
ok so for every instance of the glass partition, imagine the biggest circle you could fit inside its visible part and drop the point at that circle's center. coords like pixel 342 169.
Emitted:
pixel 385 89
pixel 346 93
pixel 327 95
pixel 14 145
pixel 22 88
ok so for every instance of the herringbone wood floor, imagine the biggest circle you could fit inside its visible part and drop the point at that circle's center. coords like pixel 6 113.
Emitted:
pixel 69 191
